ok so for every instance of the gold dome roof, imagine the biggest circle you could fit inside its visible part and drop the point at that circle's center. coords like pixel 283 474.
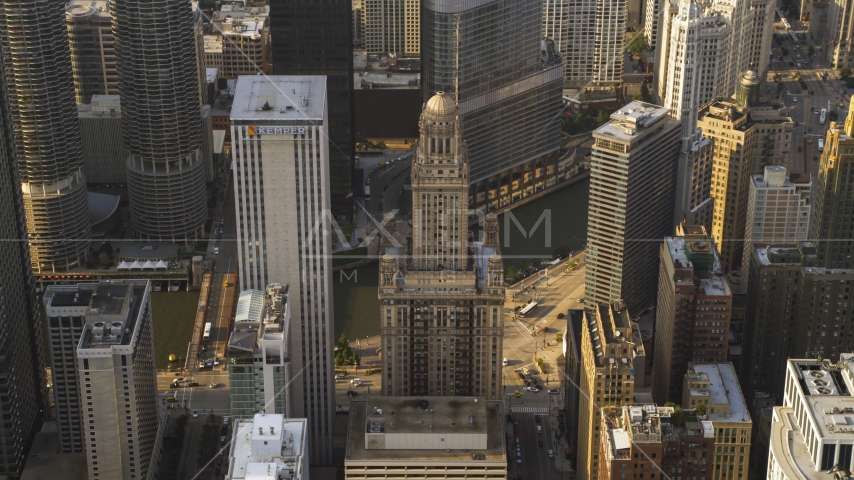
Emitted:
pixel 441 105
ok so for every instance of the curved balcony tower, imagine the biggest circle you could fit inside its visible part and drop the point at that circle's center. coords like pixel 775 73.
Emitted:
pixel 161 121
pixel 47 132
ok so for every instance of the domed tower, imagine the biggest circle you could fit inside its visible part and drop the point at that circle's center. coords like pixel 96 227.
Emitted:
pixel 490 231
pixel 440 185
pixel 388 270
pixel 495 270
pixel 747 93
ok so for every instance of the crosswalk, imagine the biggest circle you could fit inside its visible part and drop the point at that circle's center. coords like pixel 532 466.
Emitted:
pixel 530 409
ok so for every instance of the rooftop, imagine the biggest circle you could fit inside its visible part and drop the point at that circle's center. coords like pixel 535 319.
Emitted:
pixel 430 428
pixel 279 98
pixel 79 11
pixel 724 389
pixel 775 176
pixel 260 316
pixel 701 257
pixel 631 120
pixel 268 447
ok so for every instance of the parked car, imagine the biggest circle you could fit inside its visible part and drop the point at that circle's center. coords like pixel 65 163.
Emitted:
pixel 539 429
pixel 216 362
pixel 193 384
pixel 551 453
pixel 554 391
pixel 225 420
pixel 222 440
pixel 195 413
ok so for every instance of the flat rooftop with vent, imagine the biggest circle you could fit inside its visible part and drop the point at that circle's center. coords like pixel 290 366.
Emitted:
pixel 633 121
pixel 813 431
pixel 447 436
pixel 268 447
pixel 280 99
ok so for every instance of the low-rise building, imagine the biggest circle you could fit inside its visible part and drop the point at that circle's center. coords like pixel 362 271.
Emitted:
pixel 436 437
pixel 812 434
pixel 259 358
pixel 268 447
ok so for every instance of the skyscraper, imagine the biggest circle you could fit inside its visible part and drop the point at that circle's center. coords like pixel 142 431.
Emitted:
pixel 491 57
pixel 161 119
pixel 632 186
pixel 693 312
pixel 833 224
pixel 23 374
pixel 93 53
pixel 778 210
pixel 102 346
pixel 392 26
pixel 594 45
pixel 316 38
pixel 282 223
pixel 47 133
pixel 440 305
pixel 613 360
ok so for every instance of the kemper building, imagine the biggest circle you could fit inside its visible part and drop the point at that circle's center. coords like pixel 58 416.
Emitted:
pixel 259 370
pixel 441 295
pixel 416 437
pixel 102 341
pixel 281 175
pixel 491 56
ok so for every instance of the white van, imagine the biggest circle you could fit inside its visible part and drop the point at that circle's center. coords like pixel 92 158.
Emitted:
pixel 505 361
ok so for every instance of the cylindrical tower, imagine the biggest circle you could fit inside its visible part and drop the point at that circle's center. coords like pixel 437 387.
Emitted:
pixel 47 132
pixel 161 122
pixel 748 91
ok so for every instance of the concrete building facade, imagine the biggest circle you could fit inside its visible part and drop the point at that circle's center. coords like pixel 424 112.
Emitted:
pixel 284 225
pixel 102 333
pixel 451 290
pixel 613 361
pixel 632 187
pixel 810 438
pixel 259 371
pixel 778 210
pixel 392 27
pixel 245 41
pixel 409 438
pixel 692 317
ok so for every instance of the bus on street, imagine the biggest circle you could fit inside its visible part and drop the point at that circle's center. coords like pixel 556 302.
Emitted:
pixel 528 309
pixel 207 335
pixel 820 145
pixel 823 116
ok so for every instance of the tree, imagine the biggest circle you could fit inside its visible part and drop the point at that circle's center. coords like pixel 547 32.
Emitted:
pixel 356 360
pixel 701 409
pixel 833 115
pixel 638 44
pixel 558 337
pixel 339 359
pixel 678 416
pixel 602 117
pixel 562 250
pixel 104 260
pixel 844 73
pixel 645 93
pixel 208 443
pixel 637 96
pixel 512 272
pixel 342 342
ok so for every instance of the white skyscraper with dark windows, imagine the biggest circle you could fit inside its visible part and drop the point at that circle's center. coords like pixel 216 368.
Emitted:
pixel 280 141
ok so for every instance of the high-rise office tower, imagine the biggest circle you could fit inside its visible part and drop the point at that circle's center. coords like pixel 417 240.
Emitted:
pixel 491 57
pixel 746 134
pixel 23 376
pixel 833 224
pixel 161 120
pixel 783 319
pixel 245 41
pixel 613 360
pixel 358 9
pixel 682 97
pixel 316 38
pixel 632 186
pixel 594 42
pixel 440 305
pixel 778 210
pixel 102 343
pixel 282 224
pixel 93 53
pixel 736 37
pixel 651 15
pixel 693 311
pixel 47 133
pixel 259 370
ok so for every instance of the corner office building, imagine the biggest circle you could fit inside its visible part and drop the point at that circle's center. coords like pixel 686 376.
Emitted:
pixel 104 376
pixel 632 187
pixel 281 176
pixel 491 55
